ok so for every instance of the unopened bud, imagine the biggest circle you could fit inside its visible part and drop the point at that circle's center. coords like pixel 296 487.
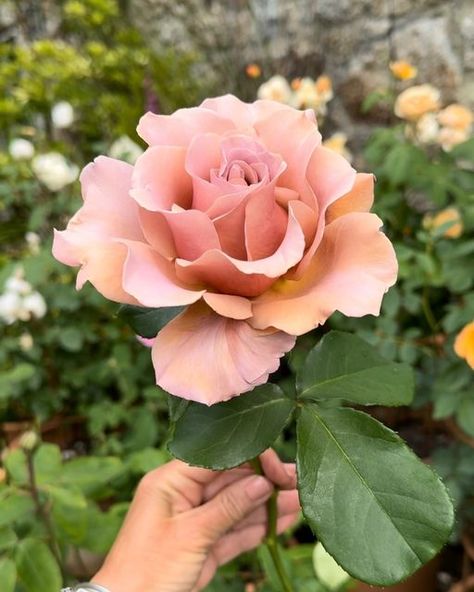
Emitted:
pixel 29 440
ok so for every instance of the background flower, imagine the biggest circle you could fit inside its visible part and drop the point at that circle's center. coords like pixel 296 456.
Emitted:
pixel 54 171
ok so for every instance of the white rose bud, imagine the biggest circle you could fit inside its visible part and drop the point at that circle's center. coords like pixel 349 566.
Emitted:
pixel 21 149
pixel 10 307
pixel 26 341
pixel 18 285
pixel 62 115
pixel 125 149
pixel 35 304
pixel 29 440
pixel 54 171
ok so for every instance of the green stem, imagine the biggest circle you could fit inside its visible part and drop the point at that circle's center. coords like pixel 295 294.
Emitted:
pixel 271 540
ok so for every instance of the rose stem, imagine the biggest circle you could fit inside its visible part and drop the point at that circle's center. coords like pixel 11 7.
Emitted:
pixel 271 540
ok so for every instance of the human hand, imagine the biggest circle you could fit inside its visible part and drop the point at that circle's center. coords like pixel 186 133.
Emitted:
pixel 185 521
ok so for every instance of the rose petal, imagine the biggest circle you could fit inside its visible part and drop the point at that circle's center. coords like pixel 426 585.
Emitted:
pixel 359 199
pixel 354 266
pixel 89 239
pixel 193 233
pixel 151 279
pixel 227 305
pixel 295 148
pixel 179 128
pixel 330 177
pixel 265 225
pixel 235 359
pixel 101 263
pixel 159 179
pixel 245 278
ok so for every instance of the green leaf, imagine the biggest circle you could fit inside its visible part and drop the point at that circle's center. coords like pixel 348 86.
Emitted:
pixel 7 574
pixel 377 509
pixel 15 507
pixel 344 366
pixel 465 413
pixel 70 497
pixel 37 568
pixel 227 434
pixel 176 407
pixel 147 322
pixel 147 459
pixel 8 538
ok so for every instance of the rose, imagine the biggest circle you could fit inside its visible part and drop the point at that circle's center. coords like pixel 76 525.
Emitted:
pixel 62 115
pixel 415 101
pixel 237 212
pixel 21 149
pixel 54 171
pixel 456 116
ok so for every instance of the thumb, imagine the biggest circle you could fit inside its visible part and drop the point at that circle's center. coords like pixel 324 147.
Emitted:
pixel 231 505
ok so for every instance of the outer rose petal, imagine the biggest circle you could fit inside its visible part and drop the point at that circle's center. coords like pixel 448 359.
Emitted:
pixel 102 263
pixel 150 278
pixel 207 358
pixel 359 199
pixel 108 213
pixel 159 179
pixel 354 266
pixel 179 128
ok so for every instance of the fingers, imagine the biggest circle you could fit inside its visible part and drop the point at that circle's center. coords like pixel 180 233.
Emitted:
pixel 231 505
pixel 288 503
pixel 237 542
pixel 224 479
pixel 283 475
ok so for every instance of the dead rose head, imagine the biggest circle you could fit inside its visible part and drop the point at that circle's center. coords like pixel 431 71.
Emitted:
pixel 237 212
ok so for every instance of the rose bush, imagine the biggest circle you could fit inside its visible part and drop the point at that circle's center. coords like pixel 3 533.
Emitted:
pixel 238 213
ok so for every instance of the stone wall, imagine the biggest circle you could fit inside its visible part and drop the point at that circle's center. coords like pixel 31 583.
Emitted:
pixel 351 40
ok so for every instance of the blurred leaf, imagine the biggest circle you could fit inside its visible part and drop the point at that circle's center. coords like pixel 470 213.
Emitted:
pixel 8 538
pixel 37 568
pixel 15 507
pixel 7 574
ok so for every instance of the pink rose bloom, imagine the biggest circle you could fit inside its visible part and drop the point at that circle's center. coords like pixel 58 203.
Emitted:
pixel 237 212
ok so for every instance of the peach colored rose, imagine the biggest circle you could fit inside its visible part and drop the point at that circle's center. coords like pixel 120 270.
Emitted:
pixel 415 101
pixel 237 212
pixel 456 116
pixel 449 137
pixel 451 215
pixel 464 344
pixel 403 70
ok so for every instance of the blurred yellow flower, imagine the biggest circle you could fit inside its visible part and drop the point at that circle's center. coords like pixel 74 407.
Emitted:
pixel 456 116
pixel 296 83
pixel 324 87
pixel 275 89
pixel 337 142
pixel 253 71
pixel 427 128
pixel 452 215
pixel 403 70
pixel 306 95
pixel 464 344
pixel 415 101
pixel 449 137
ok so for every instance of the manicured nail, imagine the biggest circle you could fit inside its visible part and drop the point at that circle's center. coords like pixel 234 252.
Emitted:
pixel 258 488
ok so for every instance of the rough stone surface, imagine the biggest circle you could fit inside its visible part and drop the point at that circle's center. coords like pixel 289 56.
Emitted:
pixel 351 40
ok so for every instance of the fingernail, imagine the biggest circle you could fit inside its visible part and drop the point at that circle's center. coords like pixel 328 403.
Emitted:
pixel 258 488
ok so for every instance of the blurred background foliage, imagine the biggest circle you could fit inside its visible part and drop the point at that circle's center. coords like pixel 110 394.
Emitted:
pixel 80 418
